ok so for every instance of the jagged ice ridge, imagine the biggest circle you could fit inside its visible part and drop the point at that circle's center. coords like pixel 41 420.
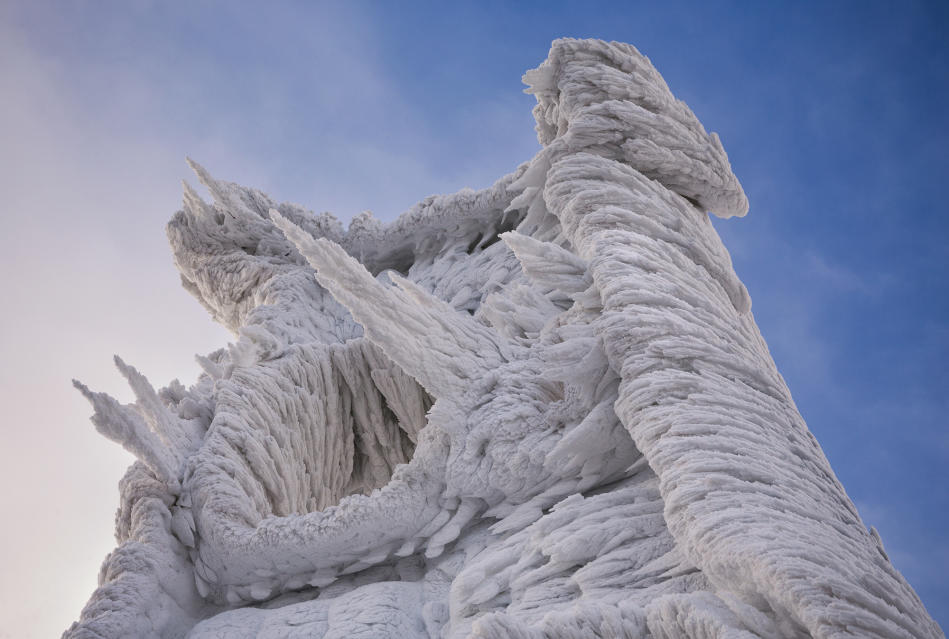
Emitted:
pixel 539 410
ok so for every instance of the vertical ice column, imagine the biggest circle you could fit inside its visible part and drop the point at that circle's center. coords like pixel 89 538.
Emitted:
pixel 628 171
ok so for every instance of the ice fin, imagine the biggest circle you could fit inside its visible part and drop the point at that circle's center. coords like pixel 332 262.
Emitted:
pixel 125 426
pixel 209 366
pixel 549 266
pixel 440 347
pixel 166 425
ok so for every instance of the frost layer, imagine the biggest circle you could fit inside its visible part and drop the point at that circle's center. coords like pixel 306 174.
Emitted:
pixel 423 431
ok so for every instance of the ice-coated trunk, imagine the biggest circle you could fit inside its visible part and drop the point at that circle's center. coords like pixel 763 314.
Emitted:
pixel 748 492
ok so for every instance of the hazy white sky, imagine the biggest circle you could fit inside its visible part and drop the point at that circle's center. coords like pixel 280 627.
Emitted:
pixel 86 274
pixel 93 145
pixel 834 120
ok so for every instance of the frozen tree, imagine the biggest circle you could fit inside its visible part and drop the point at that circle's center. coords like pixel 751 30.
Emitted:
pixel 540 410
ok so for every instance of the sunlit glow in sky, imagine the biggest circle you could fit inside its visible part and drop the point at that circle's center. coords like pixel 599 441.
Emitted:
pixel 834 116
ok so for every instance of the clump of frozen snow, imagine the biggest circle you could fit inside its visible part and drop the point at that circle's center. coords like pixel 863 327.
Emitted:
pixel 538 410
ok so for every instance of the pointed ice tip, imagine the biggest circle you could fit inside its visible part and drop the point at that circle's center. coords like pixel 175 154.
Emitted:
pixel 282 223
pixel 304 242
pixel 124 368
pixel 203 176
pixel 82 388
pixel 549 265
pixel 290 230
pixel 213 369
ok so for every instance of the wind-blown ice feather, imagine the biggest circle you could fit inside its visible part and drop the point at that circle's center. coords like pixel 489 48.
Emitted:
pixel 423 431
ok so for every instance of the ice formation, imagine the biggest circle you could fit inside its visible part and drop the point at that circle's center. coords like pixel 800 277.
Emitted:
pixel 539 410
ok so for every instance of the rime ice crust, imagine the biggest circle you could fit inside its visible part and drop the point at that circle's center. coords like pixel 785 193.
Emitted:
pixel 422 431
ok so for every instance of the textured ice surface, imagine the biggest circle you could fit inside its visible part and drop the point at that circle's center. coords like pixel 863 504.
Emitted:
pixel 538 410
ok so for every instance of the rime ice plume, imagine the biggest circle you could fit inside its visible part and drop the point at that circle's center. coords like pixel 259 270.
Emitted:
pixel 540 410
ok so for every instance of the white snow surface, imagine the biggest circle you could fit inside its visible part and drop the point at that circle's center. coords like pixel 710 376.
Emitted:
pixel 540 410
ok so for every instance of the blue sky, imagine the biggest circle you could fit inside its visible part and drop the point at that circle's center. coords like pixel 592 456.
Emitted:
pixel 835 116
